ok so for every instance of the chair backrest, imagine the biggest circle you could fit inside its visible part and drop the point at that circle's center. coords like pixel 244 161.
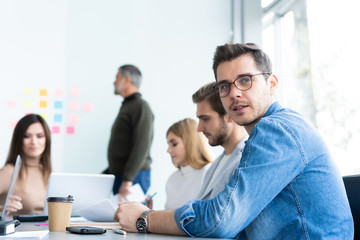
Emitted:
pixel 352 186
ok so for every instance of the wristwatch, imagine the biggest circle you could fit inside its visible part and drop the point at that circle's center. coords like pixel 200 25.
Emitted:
pixel 142 223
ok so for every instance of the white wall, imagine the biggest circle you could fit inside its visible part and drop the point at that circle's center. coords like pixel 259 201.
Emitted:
pixel 79 44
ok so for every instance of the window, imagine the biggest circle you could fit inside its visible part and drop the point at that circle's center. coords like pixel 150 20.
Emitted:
pixel 315 49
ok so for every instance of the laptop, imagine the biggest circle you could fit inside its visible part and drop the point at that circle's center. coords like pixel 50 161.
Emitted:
pixel 14 177
pixel 87 189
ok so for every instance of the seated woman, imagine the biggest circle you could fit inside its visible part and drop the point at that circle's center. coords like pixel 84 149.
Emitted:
pixel 189 152
pixel 31 140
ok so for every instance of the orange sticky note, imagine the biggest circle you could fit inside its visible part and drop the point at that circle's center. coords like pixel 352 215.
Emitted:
pixel 43 104
pixel 43 92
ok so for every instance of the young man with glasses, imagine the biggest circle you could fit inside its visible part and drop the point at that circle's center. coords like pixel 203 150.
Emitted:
pixel 286 186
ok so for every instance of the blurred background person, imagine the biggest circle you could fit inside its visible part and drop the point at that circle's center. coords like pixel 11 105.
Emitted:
pixel 189 152
pixel 32 141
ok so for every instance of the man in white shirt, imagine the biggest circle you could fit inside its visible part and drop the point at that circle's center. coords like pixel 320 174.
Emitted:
pixel 219 129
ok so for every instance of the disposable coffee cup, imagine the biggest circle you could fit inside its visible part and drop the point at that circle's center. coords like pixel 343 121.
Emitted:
pixel 59 211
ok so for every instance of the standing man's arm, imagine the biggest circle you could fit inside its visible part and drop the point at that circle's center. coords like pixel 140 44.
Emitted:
pixel 158 221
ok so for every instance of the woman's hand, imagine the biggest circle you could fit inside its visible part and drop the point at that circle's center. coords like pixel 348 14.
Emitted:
pixel 14 204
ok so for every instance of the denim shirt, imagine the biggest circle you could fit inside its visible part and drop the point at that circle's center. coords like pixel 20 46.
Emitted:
pixel 285 187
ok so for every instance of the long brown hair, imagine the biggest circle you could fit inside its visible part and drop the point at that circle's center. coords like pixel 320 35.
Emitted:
pixel 197 148
pixel 17 148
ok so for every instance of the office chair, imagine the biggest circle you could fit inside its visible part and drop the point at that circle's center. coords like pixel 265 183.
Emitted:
pixel 352 186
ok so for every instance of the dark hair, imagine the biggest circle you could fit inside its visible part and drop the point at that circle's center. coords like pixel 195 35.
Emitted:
pixel 16 146
pixel 207 92
pixel 133 72
pixel 229 52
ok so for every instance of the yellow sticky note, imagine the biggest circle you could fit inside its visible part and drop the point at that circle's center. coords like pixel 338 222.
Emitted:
pixel 28 91
pixel 28 103
pixel 43 92
pixel 43 104
pixel 45 116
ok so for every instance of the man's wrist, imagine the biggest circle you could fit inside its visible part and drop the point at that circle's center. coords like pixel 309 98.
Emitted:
pixel 142 223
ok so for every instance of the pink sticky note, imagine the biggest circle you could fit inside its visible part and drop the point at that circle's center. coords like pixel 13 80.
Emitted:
pixel 59 92
pixel 74 92
pixel 55 130
pixel 13 124
pixel 11 103
pixel 70 130
pixel 74 118
pixel 74 106
pixel 88 107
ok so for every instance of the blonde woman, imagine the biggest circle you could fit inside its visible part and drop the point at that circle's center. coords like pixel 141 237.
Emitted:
pixel 189 152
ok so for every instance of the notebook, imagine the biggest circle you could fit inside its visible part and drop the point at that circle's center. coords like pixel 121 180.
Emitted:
pixel 14 178
pixel 87 189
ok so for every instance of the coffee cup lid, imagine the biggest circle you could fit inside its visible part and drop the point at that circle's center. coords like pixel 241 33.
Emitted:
pixel 61 199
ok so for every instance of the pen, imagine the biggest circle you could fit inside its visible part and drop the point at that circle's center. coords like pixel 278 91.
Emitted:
pixel 146 202
pixel 41 224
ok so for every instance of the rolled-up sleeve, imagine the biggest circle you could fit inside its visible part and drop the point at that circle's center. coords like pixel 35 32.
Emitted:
pixel 264 171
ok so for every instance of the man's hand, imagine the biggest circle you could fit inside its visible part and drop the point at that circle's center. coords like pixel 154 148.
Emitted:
pixel 128 213
pixel 124 190
pixel 14 204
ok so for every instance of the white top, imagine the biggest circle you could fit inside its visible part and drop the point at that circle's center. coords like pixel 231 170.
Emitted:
pixel 223 162
pixel 184 185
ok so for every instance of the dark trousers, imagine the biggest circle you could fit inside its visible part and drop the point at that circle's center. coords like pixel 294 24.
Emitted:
pixel 143 178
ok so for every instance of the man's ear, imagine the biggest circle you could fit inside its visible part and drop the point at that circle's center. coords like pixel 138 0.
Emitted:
pixel 273 81
pixel 127 80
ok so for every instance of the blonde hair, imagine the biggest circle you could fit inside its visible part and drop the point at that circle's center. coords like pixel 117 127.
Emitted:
pixel 197 148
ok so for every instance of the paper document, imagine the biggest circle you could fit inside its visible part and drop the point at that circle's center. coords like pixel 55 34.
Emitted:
pixel 101 212
pixel 104 210
pixel 26 235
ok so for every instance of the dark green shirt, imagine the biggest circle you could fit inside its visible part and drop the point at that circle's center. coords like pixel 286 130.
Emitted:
pixel 131 138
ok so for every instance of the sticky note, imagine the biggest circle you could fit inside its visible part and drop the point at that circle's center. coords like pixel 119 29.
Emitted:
pixel 28 91
pixel 58 118
pixel 13 124
pixel 45 116
pixel 43 104
pixel 11 103
pixel 70 130
pixel 43 92
pixel 88 107
pixel 74 92
pixel 59 92
pixel 74 106
pixel 74 118
pixel 58 104
pixel 55 129
pixel 28 103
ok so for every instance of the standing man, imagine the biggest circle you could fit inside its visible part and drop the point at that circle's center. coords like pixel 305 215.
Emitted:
pixel 286 185
pixel 131 135
pixel 219 129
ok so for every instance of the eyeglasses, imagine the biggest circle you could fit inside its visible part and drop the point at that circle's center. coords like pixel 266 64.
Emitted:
pixel 242 82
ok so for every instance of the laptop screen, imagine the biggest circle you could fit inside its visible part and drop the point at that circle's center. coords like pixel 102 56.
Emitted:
pixel 14 178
